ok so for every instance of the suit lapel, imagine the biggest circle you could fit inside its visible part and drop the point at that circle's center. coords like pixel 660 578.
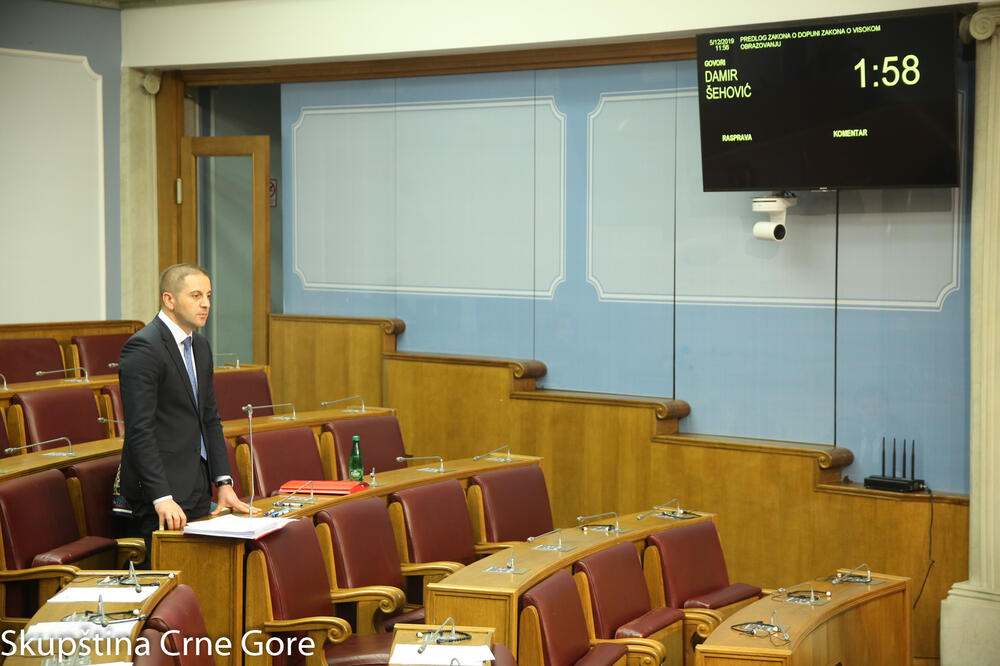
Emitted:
pixel 175 355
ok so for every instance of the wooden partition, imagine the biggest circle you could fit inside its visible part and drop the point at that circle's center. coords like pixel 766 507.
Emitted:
pixel 784 514
pixel 63 331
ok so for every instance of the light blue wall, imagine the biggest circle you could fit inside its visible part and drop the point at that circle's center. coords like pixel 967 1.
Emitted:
pixel 94 32
pixel 559 215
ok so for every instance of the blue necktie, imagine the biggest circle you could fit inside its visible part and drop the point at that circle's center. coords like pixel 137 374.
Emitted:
pixel 189 364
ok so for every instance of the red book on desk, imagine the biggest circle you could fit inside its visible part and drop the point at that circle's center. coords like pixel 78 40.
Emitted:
pixel 323 487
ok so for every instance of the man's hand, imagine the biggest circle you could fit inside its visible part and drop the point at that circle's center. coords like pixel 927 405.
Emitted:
pixel 171 515
pixel 227 499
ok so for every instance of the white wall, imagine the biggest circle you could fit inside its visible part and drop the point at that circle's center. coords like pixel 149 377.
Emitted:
pixel 272 31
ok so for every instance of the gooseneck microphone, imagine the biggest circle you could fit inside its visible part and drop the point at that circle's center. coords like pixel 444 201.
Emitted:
pixel 440 468
pixel 85 378
pixel 327 403
pixel 12 449
pixel 544 546
pixel 248 410
pixel 236 364
pixel 499 448
pixel 4 381
pixel 583 520
pixel 277 404
pixel 104 419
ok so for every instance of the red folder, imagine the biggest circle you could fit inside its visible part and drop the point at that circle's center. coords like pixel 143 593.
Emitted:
pixel 323 487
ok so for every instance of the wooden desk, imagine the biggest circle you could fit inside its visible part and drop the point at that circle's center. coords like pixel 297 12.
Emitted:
pixel 95 384
pixel 406 634
pixel 476 596
pixel 29 463
pixel 861 624
pixel 214 566
pixel 100 651
pixel 314 419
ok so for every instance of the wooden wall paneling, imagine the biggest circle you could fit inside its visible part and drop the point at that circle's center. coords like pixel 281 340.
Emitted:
pixel 326 358
pixel 454 406
pixel 63 331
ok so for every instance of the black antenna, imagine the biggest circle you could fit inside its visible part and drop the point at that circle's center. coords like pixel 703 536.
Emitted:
pixel 894 457
pixel 904 458
pixel 913 460
pixel 883 455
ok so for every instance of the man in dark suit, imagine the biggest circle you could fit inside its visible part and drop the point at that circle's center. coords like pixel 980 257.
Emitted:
pixel 173 447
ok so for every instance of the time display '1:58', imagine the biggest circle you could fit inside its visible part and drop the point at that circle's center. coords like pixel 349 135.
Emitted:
pixel 892 73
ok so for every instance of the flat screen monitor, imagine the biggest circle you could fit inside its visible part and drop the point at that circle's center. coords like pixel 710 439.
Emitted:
pixel 858 102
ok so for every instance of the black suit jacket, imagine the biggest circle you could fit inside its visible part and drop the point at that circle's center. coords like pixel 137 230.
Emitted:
pixel 163 427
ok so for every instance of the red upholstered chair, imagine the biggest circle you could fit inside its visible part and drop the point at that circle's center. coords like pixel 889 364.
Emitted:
pixel 39 528
pixel 237 470
pixel 21 358
pixel 63 412
pixel 616 605
pixel 175 619
pixel 508 505
pixel 503 656
pixel 4 440
pixel 90 486
pixel 380 439
pixel 363 560
pixel 283 455
pixel 686 568
pixel 553 629
pixel 288 592
pixel 432 523
pixel 112 396
pixel 234 389
pixel 98 354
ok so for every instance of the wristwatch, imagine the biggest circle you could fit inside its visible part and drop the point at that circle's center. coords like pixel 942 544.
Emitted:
pixel 223 482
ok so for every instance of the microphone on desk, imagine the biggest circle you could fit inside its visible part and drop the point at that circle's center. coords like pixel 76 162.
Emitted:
pixel 327 403
pixel 499 448
pixel 425 469
pixel 228 354
pixel 278 404
pixel 86 377
pixel 12 449
pixel 429 636
pixel 542 546
pixel 304 500
pixel 583 520
pixel 4 381
pixel 113 365
pixel 248 410
pixel 104 419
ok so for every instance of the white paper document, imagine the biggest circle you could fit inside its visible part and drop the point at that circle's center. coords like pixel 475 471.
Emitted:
pixel 110 595
pixel 434 655
pixel 236 527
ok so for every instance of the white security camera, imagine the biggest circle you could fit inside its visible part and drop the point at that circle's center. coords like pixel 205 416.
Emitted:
pixel 772 231
pixel 775 206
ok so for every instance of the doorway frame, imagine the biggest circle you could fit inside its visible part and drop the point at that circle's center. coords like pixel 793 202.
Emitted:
pixel 258 149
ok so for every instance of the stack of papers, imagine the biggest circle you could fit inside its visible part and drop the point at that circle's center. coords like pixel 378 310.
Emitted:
pixel 109 595
pixel 440 655
pixel 236 527
pixel 78 630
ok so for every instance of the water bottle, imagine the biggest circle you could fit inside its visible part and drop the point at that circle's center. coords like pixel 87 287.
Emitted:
pixel 356 469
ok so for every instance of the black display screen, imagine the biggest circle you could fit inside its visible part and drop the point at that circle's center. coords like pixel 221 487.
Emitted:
pixel 859 102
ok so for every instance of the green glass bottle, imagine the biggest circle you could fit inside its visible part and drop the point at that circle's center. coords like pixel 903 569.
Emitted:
pixel 356 469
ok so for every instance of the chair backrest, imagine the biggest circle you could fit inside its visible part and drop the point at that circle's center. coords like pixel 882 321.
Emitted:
pixel 560 617
pixel 236 472
pixel 364 549
pixel 98 354
pixel 176 632
pixel 283 455
pixel 618 591
pixel 296 572
pixel 96 480
pixel 114 393
pixel 692 561
pixel 236 389
pixel 36 515
pixel 437 523
pixel 21 358
pixel 515 503
pixel 380 439
pixel 4 440
pixel 64 412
